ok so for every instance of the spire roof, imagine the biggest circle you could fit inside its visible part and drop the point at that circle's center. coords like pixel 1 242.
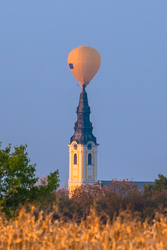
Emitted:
pixel 83 127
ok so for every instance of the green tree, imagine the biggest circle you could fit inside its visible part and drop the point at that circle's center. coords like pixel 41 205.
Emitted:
pixel 18 180
pixel 43 195
pixel 160 184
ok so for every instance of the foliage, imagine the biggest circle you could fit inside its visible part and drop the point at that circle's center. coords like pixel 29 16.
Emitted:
pixel 17 176
pixel 17 179
pixel 106 200
pixel 18 185
pixel 110 200
pixel 120 196
pixel 160 184
pixel 44 195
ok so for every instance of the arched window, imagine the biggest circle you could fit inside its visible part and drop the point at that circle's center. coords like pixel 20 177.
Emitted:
pixel 89 159
pixel 75 158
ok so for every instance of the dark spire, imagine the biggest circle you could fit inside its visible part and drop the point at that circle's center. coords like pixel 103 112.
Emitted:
pixel 83 127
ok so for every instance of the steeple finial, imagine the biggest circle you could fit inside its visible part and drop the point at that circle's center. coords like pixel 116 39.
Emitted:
pixel 83 87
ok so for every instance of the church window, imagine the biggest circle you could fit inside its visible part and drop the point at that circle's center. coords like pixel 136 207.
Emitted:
pixel 75 158
pixel 89 159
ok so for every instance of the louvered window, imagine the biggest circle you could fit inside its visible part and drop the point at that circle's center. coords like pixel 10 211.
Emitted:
pixel 75 158
pixel 89 159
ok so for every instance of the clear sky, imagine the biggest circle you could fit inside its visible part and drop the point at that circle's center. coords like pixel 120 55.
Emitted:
pixel 128 96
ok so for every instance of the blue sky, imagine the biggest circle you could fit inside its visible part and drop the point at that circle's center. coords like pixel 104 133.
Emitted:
pixel 128 96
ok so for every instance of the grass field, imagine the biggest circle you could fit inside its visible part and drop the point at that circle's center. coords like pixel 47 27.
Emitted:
pixel 43 233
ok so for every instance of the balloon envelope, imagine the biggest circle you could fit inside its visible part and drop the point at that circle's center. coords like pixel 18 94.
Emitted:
pixel 84 62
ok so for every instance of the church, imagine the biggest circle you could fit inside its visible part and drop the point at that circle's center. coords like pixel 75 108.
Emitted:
pixel 82 148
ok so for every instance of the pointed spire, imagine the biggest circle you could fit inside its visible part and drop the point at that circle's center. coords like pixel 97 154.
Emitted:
pixel 83 127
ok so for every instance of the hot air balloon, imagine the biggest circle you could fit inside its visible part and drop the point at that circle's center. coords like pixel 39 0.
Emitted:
pixel 84 62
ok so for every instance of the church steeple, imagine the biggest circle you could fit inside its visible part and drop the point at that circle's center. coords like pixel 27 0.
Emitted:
pixel 83 127
pixel 82 148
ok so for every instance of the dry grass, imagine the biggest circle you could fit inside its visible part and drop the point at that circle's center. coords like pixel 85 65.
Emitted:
pixel 45 233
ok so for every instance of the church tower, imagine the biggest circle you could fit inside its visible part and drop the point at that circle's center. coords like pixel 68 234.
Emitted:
pixel 84 63
pixel 82 148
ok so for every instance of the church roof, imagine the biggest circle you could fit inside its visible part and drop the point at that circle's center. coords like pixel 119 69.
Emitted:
pixel 140 184
pixel 83 127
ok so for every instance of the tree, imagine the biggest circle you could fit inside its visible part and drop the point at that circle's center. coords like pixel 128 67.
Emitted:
pixel 160 184
pixel 43 195
pixel 17 179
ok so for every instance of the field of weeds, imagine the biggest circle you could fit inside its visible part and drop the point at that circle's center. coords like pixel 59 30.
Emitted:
pixel 42 232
